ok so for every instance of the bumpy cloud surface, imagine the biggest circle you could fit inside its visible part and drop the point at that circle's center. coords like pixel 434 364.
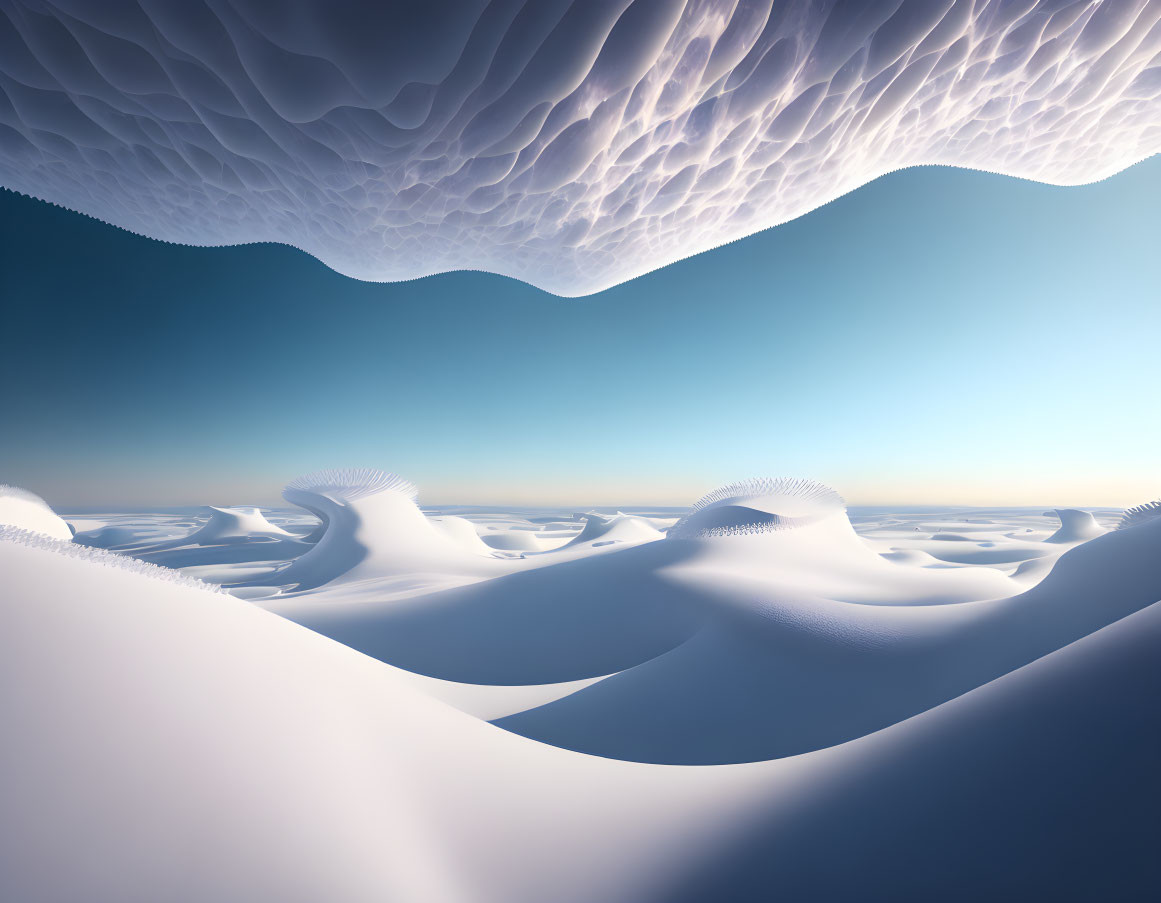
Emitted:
pixel 573 145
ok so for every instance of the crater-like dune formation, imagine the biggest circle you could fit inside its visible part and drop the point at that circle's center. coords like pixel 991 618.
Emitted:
pixel 236 525
pixel 568 143
pixel 513 541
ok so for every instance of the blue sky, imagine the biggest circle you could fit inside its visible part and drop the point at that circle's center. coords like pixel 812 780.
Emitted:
pixel 938 336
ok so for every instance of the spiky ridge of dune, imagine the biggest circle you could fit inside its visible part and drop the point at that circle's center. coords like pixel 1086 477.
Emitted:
pixel 1138 514
pixel 170 743
pixel 37 539
pixel 758 506
pixel 25 510
pixel 567 143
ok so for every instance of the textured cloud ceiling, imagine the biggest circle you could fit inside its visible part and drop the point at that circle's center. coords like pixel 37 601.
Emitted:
pixel 573 145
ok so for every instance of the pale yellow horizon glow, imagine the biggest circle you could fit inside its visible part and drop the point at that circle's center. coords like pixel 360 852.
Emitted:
pixel 157 489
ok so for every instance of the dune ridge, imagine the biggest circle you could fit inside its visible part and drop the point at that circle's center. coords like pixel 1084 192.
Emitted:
pixel 236 524
pixel 1139 514
pixel 779 673
pixel 371 527
pixel 36 539
pixel 26 510
pixel 293 768
pixel 1075 526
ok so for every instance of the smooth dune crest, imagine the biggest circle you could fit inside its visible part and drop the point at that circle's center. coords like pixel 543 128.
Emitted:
pixel 1075 526
pixel 236 524
pixel 570 144
pixel 619 527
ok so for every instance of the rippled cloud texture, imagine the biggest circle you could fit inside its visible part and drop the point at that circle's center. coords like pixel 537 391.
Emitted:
pixel 573 145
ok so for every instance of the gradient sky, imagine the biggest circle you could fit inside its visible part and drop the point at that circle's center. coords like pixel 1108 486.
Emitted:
pixel 938 336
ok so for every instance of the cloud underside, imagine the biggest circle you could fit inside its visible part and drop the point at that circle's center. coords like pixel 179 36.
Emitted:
pixel 572 145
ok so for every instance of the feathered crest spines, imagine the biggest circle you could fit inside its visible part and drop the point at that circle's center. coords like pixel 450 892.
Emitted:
pixel 762 494
pixel 681 530
pixel 34 540
pixel 789 487
pixel 1138 514
pixel 353 483
pixel 15 492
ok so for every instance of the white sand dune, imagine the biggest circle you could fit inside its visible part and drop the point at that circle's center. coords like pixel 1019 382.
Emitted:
pixel 1075 526
pixel 236 525
pixel 600 531
pixel 374 541
pixel 165 742
pixel 561 621
pixel 794 537
pixel 126 531
pixel 786 673
pixel 1040 785
pixel 372 527
pixel 28 511
pixel 225 544
pixel 108 536
pixel 916 557
pixel 460 530
pixel 861 641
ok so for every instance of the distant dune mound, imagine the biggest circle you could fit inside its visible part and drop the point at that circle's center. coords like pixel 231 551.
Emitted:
pixel 916 557
pixel 619 527
pixel 107 537
pixel 28 511
pixel 1075 526
pixel 371 526
pixel 759 506
pixel 236 525
pixel 794 535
